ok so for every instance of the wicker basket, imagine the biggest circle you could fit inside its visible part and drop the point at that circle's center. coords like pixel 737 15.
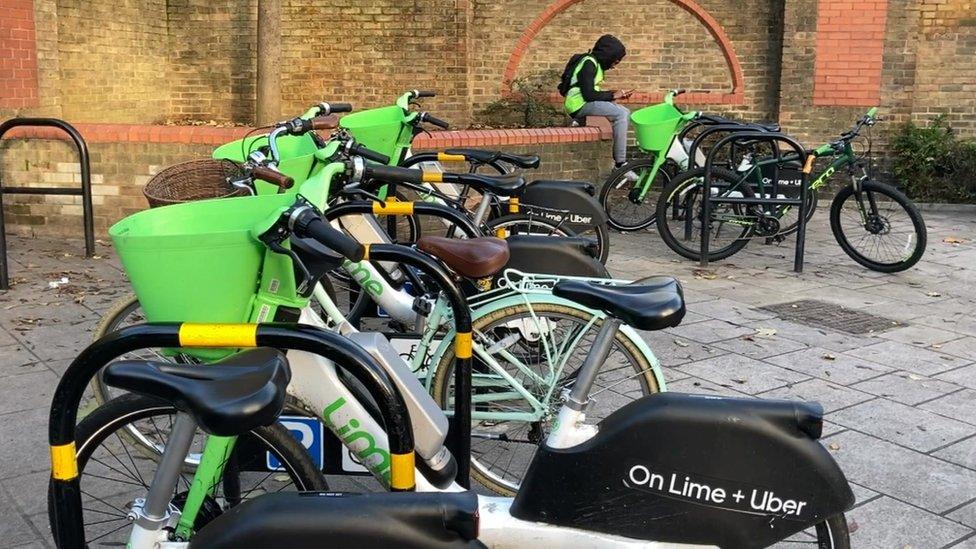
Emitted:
pixel 192 180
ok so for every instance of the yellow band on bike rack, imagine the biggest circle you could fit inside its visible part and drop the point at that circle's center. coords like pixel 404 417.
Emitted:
pixel 393 207
pixel 218 335
pixel 501 232
pixel 808 167
pixel 444 157
pixel 402 468
pixel 365 252
pixel 462 345
pixel 513 205
pixel 64 464
pixel 432 177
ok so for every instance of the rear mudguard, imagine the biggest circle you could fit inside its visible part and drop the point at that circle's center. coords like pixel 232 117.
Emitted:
pixel 556 255
pixel 481 310
pixel 693 469
pixel 574 197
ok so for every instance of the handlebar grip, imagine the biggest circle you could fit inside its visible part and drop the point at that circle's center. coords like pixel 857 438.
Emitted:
pixel 873 112
pixel 425 93
pixel 334 239
pixel 679 91
pixel 395 174
pixel 340 107
pixel 429 118
pixel 273 176
pixel 369 154
pixel 325 122
pixel 823 149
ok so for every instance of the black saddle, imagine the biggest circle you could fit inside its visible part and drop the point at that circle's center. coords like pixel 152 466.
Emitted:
pixel 365 521
pixel 650 304
pixel 228 397
pixel 501 185
pixel 524 161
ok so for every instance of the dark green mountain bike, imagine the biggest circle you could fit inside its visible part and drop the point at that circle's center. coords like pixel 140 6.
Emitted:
pixel 874 223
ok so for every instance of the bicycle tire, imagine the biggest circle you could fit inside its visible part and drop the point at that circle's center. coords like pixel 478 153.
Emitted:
pixel 899 198
pixel 678 186
pixel 116 416
pixel 443 373
pixel 611 186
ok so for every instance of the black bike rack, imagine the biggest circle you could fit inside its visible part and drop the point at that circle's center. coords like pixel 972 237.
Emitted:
pixel 707 200
pixel 84 191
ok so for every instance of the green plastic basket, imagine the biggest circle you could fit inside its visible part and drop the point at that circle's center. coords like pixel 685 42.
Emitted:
pixel 654 126
pixel 378 129
pixel 195 262
pixel 297 157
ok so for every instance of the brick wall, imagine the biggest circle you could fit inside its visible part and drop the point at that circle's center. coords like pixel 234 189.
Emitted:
pixel 18 60
pixel 850 45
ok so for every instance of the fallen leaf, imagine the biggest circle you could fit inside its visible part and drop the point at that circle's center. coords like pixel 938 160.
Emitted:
pixel 914 377
pixel 934 294
pixel 680 343
pixel 852 526
pixel 829 356
pixel 952 240
pixel 765 332
pixel 834 446
pixel 739 381
pixel 702 274
pixel 748 338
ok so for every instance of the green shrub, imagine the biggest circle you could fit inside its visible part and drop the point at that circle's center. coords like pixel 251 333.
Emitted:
pixel 932 164
pixel 528 106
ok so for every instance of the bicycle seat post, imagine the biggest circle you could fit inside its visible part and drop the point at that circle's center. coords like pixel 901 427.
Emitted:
pixel 599 351
pixel 154 512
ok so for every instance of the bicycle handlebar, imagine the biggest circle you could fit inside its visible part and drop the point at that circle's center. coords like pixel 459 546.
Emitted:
pixel 305 222
pixel 424 93
pixel 272 176
pixel 431 119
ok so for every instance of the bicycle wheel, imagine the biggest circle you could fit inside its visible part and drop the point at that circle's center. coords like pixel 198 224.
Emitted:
pixel 501 450
pixel 880 229
pixel 679 211
pixel 112 474
pixel 624 212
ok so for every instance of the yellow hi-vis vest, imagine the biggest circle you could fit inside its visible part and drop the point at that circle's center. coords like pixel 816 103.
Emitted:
pixel 574 97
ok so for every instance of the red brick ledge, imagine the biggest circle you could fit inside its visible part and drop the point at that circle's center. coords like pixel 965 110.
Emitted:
pixel 206 135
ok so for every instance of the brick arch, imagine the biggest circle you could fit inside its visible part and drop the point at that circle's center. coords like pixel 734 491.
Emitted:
pixel 734 97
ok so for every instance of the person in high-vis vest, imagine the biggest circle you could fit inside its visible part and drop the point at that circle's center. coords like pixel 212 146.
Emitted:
pixel 581 86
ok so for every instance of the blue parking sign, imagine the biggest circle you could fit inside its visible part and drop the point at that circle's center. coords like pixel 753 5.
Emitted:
pixel 310 432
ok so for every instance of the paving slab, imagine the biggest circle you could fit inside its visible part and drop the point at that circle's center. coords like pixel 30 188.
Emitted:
pixel 886 523
pixel 911 427
pixel 906 387
pixel 742 374
pixel 831 396
pixel 913 477
pixel 830 365
pixel 960 405
pixel 961 453
pixel 903 356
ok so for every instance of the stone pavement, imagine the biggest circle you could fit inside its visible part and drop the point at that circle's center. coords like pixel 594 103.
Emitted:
pixel 900 402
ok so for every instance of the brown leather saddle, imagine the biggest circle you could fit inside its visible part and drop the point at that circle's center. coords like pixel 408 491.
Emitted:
pixel 471 258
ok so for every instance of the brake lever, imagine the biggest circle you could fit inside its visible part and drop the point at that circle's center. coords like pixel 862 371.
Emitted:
pixel 274 239
pixel 354 190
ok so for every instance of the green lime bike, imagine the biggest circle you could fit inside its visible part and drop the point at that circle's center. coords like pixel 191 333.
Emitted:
pixel 528 341
pixel 874 223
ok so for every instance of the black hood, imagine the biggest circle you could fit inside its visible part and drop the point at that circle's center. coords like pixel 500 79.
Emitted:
pixel 608 50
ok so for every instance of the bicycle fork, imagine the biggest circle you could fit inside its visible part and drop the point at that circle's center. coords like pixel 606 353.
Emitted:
pixel 570 429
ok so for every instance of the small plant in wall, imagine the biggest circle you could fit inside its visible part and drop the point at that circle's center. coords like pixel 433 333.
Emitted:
pixel 528 106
